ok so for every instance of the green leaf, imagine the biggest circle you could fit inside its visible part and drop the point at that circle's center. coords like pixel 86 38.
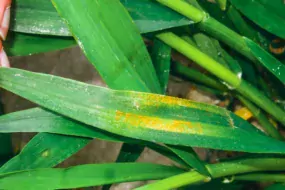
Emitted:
pixel 268 61
pixel 138 115
pixel 161 56
pixel 268 14
pixel 176 181
pixel 40 120
pixel 57 147
pixel 19 44
pixel 241 25
pixel 190 157
pixel 128 153
pixel 150 16
pixel 44 150
pixel 85 175
pixel 40 17
pixel 110 37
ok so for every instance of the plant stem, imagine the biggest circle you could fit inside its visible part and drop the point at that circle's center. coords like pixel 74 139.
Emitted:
pixel 185 9
pixel 199 57
pixel 223 73
pixel 261 117
pixel 210 25
pixel 246 165
pixel 226 35
pixel 223 4
pixel 262 177
pixel 221 170
pixel 176 181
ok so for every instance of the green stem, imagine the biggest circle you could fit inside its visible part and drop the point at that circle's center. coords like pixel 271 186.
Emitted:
pixel 224 74
pixel 199 57
pixel 264 177
pixel 210 25
pixel 223 4
pixel 221 170
pixel 262 119
pixel 226 35
pixel 185 9
pixel 176 181
pixel 246 165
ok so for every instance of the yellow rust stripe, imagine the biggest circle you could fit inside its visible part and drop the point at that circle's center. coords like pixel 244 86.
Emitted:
pixel 160 124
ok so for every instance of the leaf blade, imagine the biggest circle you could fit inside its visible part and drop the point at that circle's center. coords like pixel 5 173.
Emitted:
pixel 268 61
pixel 220 129
pixel 84 175
pixel 39 17
pixel 19 44
pixel 265 16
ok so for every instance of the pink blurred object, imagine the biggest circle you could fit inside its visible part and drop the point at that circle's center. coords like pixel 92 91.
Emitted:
pixel 5 6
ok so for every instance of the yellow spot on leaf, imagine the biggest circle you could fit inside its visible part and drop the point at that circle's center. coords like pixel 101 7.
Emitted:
pixel 244 113
pixel 45 153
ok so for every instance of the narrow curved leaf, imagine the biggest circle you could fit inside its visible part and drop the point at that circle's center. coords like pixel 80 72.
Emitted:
pixel 190 157
pixel 268 61
pixel 149 16
pixel 59 146
pixel 267 14
pixel 110 37
pixel 85 175
pixel 44 150
pixel 241 25
pixel 19 44
pixel 39 120
pixel 40 17
pixel 138 115
pixel 161 56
